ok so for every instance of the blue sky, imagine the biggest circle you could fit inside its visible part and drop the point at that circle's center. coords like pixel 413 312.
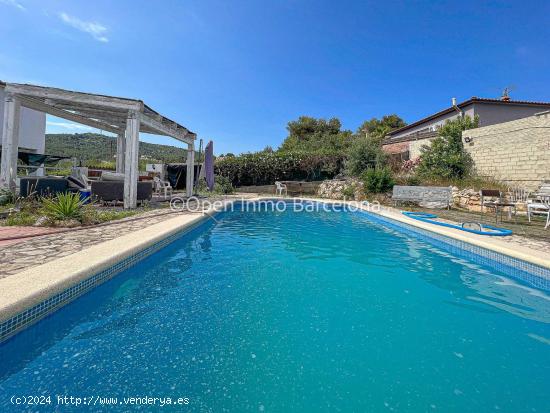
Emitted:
pixel 238 71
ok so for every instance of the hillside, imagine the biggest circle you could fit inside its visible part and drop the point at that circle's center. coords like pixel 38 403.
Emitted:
pixel 92 146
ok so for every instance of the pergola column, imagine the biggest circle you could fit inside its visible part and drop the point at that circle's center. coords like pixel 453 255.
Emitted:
pixel 131 156
pixel 190 169
pixel 10 141
pixel 120 152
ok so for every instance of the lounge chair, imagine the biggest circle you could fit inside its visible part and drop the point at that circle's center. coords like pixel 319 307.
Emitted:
pixel 540 205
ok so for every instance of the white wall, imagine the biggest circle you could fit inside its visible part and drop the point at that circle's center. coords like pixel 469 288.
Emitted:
pixel 437 122
pixel 32 128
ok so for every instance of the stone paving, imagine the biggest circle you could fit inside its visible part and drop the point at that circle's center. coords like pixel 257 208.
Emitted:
pixel 41 249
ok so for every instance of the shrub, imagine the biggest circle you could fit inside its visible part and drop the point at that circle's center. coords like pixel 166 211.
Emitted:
pixel 349 192
pixel 65 206
pixel 6 196
pixel 412 180
pixel 222 185
pixel 264 168
pixel 365 154
pixel 446 158
pixel 377 180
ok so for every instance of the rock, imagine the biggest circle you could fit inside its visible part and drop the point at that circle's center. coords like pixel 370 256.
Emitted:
pixel 340 189
pixel 67 223
pixel 40 222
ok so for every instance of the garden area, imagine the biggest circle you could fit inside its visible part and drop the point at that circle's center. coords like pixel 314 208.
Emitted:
pixel 319 150
pixel 64 210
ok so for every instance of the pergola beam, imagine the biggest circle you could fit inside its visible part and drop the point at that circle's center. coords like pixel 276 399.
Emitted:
pixel 74 97
pixel 52 110
pixel 180 134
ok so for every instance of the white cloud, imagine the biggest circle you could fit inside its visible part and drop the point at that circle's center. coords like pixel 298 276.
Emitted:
pixel 14 3
pixel 96 30
pixel 69 125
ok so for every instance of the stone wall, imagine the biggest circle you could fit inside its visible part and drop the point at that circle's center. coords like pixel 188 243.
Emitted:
pixel 293 188
pixel 341 188
pixel 516 152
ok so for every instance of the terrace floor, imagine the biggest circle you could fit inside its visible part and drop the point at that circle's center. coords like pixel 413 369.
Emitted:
pixel 528 233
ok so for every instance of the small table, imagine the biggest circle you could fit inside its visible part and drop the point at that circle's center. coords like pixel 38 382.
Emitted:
pixel 501 205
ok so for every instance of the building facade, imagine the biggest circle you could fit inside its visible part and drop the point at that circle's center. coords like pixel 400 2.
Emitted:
pixel 409 139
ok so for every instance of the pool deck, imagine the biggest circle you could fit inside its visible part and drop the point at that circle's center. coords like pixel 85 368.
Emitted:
pixel 37 268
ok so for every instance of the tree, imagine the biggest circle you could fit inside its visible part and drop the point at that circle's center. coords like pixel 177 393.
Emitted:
pixel 378 128
pixel 364 154
pixel 445 157
pixel 313 135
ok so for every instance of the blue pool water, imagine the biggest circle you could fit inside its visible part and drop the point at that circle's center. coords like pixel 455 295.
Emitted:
pixel 294 312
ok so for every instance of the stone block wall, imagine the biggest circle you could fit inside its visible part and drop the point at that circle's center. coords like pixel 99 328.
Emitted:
pixel 516 152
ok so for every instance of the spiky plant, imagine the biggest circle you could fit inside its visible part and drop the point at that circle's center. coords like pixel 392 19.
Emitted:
pixel 64 206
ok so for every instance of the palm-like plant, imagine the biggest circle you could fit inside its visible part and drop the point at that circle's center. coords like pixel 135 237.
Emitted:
pixel 65 206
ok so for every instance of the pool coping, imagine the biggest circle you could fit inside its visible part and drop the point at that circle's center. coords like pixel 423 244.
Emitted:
pixel 32 294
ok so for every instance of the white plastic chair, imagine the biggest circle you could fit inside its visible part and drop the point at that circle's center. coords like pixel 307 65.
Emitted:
pixel 540 206
pixel 162 186
pixel 280 187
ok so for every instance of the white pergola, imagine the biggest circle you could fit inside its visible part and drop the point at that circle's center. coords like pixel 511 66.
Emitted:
pixel 121 116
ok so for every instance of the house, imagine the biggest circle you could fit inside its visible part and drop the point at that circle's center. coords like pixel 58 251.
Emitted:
pixel 408 140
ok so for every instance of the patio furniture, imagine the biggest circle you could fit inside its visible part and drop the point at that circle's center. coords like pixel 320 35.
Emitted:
pixel 540 204
pixel 42 186
pixel 280 187
pixel 496 201
pixel 113 191
pixel 162 186
pixel 428 196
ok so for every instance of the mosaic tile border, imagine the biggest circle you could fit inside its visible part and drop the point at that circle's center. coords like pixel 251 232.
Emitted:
pixel 526 272
pixel 26 318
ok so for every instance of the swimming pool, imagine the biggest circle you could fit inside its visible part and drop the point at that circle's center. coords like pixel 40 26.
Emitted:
pixel 295 311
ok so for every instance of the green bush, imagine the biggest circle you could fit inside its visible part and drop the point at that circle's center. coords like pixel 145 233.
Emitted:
pixel 264 168
pixel 65 206
pixel 6 196
pixel 446 158
pixel 349 192
pixel 378 180
pixel 365 154
pixel 222 185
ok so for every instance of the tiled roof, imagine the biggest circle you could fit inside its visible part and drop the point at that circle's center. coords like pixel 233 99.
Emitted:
pixel 468 102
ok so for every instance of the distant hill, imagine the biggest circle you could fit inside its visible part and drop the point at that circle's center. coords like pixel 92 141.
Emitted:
pixel 92 146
